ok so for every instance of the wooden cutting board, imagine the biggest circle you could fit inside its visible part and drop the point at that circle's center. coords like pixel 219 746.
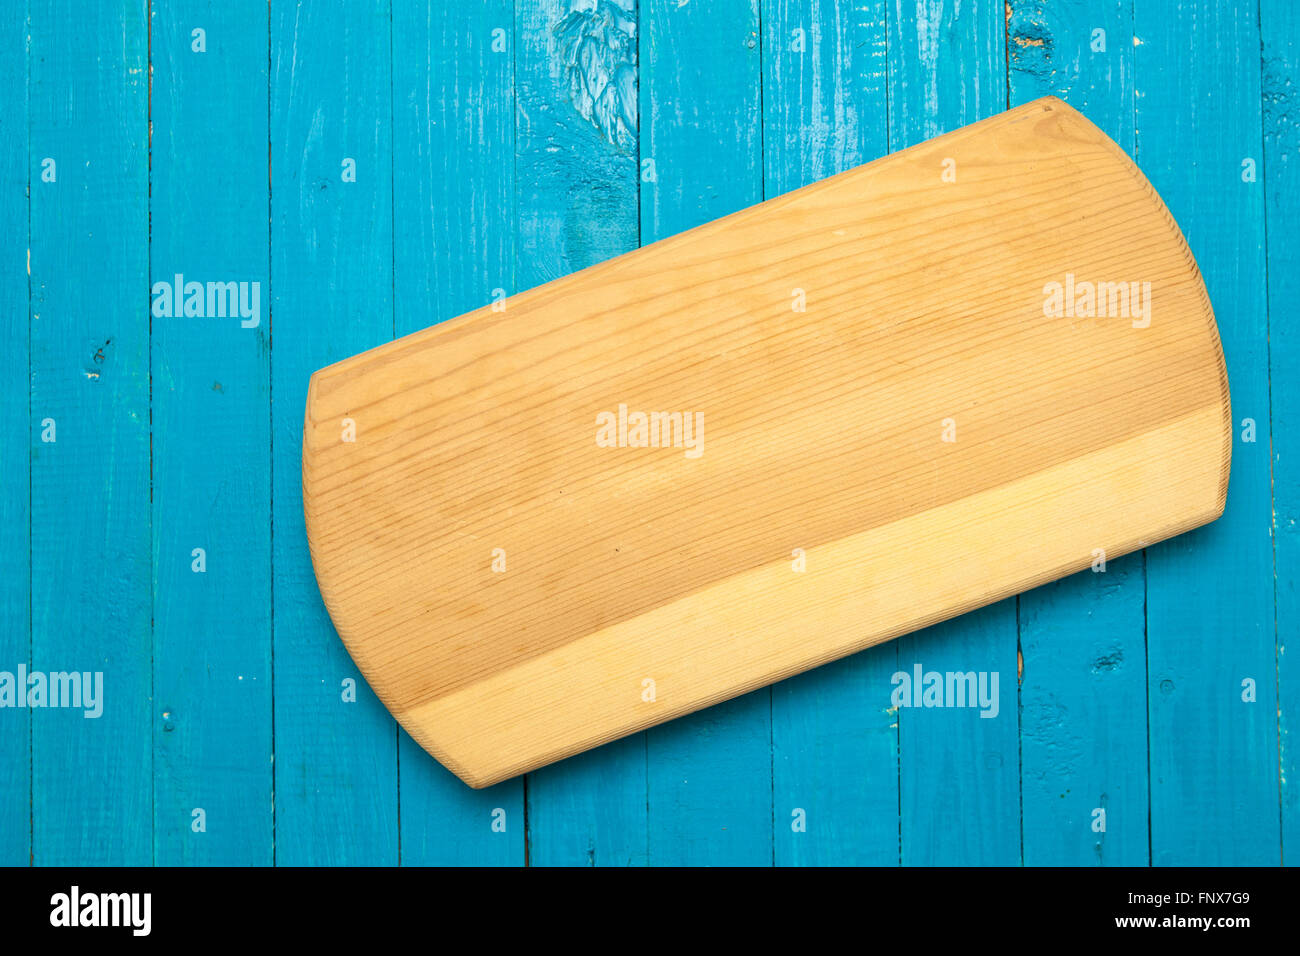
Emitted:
pixel 912 389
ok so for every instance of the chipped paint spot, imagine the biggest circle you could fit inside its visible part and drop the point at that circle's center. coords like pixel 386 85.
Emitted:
pixel 99 358
pixel 596 43
pixel 1108 661
pixel 1030 41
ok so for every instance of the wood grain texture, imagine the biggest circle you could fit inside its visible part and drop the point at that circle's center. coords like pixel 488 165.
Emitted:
pixel 211 411
pixel 91 552
pixel 453 238
pixel 1213 754
pixel 1083 670
pixel 824 434
pixel 331 294
pixel 834 733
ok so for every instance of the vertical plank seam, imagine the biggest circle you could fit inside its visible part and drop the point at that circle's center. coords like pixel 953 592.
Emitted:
pixel 1020 696
pixel 511 281
pixel 1272 483
pixel 1006 77
pixel 392 298
pixel 762 194
pixel 897 649
pixel 1146 604
pixel 153 551
pixel 762 126
pixel 1146 581
pixel 639 122
pixel 31 736
pixel 270 414
pixel 1146 670
pixel 1001 14
pixel 640 241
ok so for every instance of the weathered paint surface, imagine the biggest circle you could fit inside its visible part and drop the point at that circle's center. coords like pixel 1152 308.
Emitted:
pixel 384 172
pixel 15 525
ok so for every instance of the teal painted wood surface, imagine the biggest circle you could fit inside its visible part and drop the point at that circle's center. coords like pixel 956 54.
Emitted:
pixel 331 296
pixel 92 777
pixel 834 733
pixel 1279 25
pixel 212 452
pixel 453 179
pixel 1083 721
pixel 947 68
pixel 15 528
pixel 1211 634
pixel 383 170
pixel 576 203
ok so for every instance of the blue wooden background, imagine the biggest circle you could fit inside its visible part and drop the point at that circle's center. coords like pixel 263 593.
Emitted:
pixel 497 145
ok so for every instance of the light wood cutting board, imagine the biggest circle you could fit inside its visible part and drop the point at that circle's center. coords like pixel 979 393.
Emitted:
pixel 902 404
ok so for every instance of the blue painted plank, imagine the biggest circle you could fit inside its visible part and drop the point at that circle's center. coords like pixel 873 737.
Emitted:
pixel 1083 726
pixel 1079 50
pixel 1280 30
pixel 89 92
pixel 1083 744
pixel 336 794
pixel 453 159
pixel 709 774
pixel 834 737
pixel 15 462
pixel 211 419
pixel 577 204
pixel 825 89
pixel 576 137
pixel 947 68
pixel 1210 603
